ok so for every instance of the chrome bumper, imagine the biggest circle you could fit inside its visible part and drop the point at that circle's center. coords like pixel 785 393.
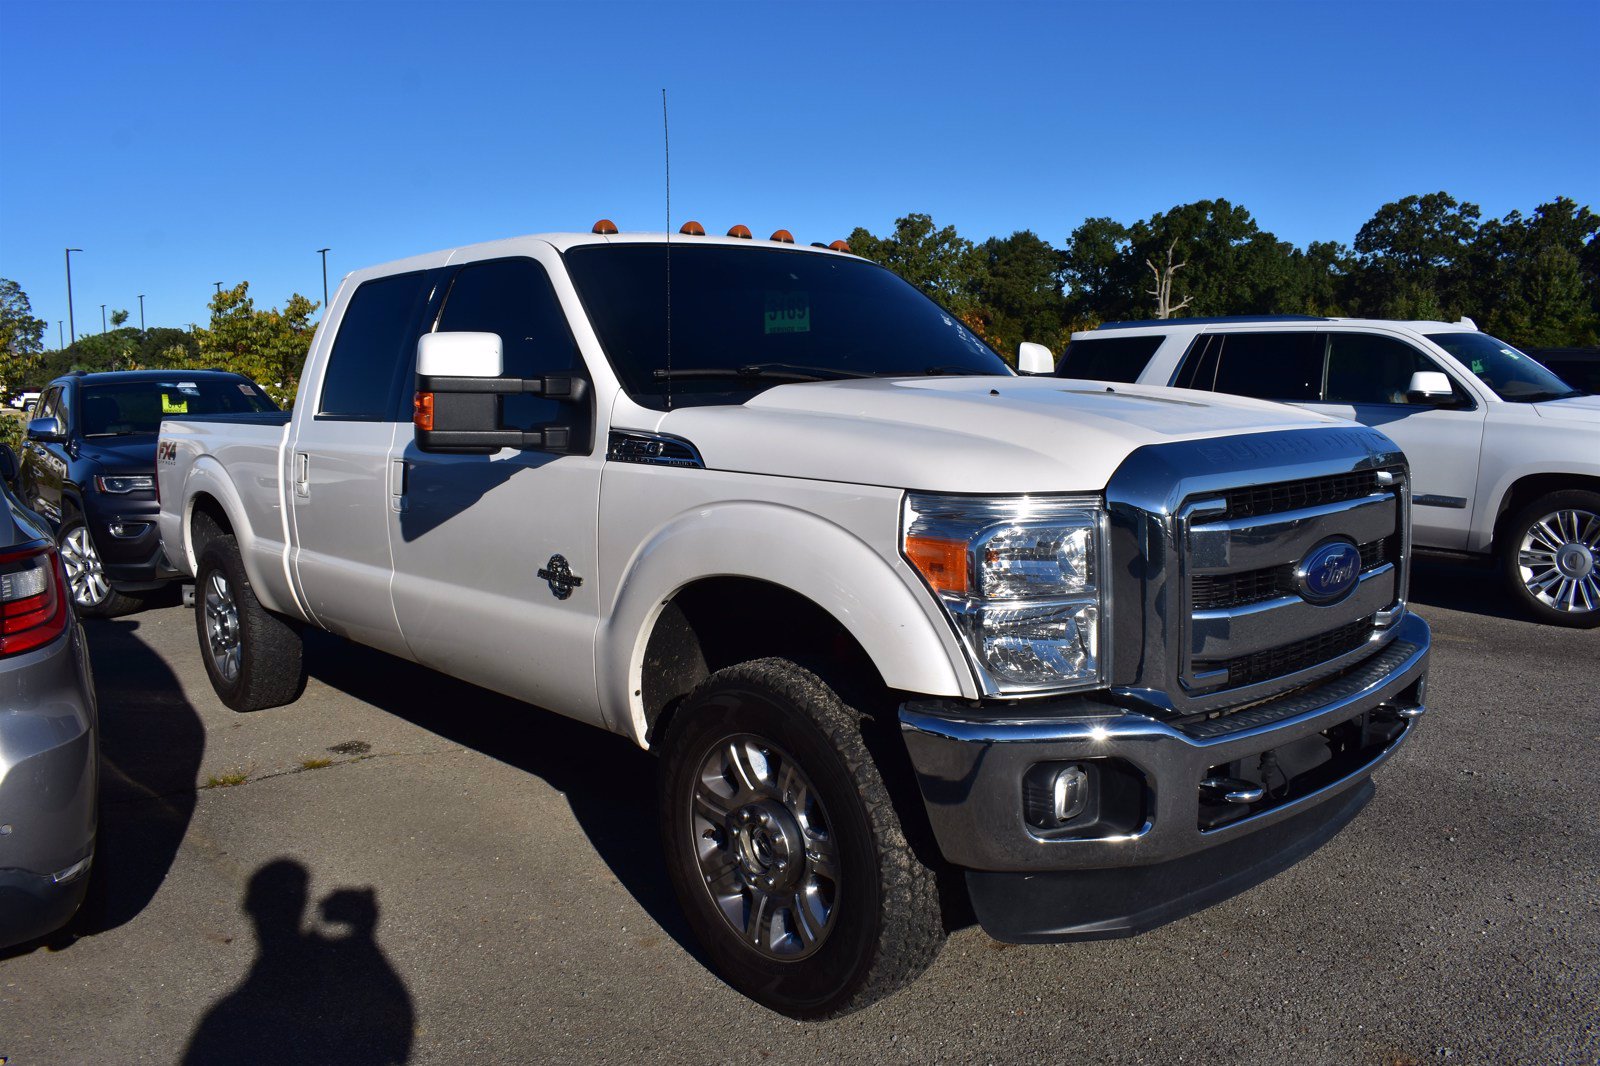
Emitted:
pixel 971 766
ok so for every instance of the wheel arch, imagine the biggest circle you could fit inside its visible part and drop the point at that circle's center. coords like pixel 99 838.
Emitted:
pixel 1524 490
pixel 839 601
pixel 208 490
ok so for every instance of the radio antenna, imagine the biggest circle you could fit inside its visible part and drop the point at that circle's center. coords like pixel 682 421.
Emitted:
pixel 666 148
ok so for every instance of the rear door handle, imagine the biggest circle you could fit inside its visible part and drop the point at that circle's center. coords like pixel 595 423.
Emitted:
pixel 302 474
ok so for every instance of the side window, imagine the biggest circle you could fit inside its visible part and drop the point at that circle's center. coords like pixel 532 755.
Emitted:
pixel 1267 366
pixel 1108 358
pixel 371 348
pixel 1367 368
pixel 514 299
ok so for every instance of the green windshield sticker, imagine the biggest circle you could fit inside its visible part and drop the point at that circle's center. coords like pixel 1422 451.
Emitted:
pixel 788 312
pixel 1477 366
pixel 171 407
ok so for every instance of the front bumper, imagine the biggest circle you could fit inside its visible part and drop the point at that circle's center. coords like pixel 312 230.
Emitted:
pixel 1326 741
pixel 128 540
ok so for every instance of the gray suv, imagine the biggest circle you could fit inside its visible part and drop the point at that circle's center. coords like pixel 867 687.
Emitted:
pixel 49 736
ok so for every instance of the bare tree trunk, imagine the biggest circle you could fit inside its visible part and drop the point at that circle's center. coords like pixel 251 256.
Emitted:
pixel 1163 290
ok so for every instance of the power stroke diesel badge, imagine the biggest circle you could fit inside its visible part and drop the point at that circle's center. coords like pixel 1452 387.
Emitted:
pixel 560 576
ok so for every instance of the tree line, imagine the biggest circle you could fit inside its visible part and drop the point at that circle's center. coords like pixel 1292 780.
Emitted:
pixel 1533 280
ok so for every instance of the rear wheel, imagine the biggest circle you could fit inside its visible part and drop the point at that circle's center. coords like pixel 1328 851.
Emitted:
pixel 86 573
pixel 1550 554
pixel 252 656
pixel 784 847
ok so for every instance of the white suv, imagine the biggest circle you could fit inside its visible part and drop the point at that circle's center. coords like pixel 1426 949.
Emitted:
pixel 1505 456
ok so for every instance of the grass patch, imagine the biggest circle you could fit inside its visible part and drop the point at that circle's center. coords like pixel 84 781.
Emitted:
pixel 315 764
pixel 227 780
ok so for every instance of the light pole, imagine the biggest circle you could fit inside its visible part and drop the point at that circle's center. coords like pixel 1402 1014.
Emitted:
pixel 218 284
pixel 102 318
pixel 72 325
pixel 60 343
pixel 141 312
pixel 324 253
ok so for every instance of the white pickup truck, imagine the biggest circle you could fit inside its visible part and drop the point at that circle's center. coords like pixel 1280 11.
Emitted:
pixel 884 609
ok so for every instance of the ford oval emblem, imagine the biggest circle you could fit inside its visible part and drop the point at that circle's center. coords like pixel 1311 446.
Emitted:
pixel 1329 572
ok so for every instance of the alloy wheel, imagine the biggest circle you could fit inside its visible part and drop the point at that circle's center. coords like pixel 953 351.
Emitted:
pixel 222 627
pixel 86 575
pixel 1559 561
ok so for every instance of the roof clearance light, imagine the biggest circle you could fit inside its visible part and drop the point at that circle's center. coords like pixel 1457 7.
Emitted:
pixel 840 246
pixel 782 235
pixel 605 225
pixel 692 229
pixel 742 232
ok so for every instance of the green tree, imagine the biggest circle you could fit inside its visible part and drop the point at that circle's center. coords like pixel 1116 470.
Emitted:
pixel 1527 280
pixel 118 318
pixel 21 335
pixel 936 260
pixel 1098 273
pixel 1016 284
pixel 1411 258
pixel 268 347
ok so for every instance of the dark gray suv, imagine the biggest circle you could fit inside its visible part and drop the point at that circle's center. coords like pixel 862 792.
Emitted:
pixel 49 735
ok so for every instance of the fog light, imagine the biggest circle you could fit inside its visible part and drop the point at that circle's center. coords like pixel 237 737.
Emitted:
pixel 1071 792
pixel 1055 793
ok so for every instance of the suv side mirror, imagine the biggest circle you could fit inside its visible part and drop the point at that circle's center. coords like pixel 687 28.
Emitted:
pixel 1035 359
pixel 8 465
pixel 44 429
pixel 457 405
pixel 1430 387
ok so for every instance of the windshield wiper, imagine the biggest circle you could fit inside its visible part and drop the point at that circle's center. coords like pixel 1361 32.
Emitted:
pixel 760 372
pixel 935 371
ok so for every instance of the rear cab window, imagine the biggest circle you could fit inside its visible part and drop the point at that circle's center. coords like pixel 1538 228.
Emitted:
pixel 1108 358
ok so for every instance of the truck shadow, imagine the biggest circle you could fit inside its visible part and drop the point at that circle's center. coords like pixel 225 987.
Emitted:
pixel 608 782
pixel 309 997
pixel 1463 585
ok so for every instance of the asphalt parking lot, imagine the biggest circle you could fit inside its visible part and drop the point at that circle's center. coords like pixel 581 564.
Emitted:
pixel 400 866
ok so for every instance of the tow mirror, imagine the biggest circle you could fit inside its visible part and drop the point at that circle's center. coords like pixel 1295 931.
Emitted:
pixel 44 429
pixel 457 407
pixel 1430 387
pixel 8 465
pixel 1035 359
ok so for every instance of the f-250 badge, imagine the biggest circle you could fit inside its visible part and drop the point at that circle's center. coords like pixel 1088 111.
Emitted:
pixel 560 576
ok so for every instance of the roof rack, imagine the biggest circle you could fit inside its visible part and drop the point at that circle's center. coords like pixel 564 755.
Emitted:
pixel 1140 323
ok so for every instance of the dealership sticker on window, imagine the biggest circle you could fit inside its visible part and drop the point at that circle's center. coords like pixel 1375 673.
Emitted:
pixel 247 390
pixel 169 406
pixel 788 312
pixel 1477 366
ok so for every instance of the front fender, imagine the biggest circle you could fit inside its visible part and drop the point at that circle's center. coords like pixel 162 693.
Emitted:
pixel 879 603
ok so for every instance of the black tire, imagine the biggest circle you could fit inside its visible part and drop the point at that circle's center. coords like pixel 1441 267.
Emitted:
pixel 1574 603
pixel 268 670
pixel 76 544
pixel 886 925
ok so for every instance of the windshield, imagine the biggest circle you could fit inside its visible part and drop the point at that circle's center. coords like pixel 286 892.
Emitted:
pixel 1512 375
pixel 123 408
pixel 748 319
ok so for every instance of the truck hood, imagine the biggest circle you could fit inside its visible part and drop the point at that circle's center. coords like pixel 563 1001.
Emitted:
pixel 1576 409
pixel 965 434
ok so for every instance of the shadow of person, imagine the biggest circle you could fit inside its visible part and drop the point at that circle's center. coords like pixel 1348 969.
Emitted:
pixel 309 997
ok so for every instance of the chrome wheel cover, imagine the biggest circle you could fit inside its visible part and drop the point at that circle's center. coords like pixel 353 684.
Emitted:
pixel 766 848
pixel 86 575
pixel 222 626
pixel 1559 561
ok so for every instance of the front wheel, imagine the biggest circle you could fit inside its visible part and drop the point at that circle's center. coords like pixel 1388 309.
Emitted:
pixel 1550 553
pixel 86 574
pixel 784 847
pixel 252 656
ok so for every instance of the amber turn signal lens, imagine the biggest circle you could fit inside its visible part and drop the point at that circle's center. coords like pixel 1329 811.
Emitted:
pixel 840 246
pixel 692 229
pixel 422 411
pixel 782 235
pixel 740 231
pixel 943 563
pixel 605 225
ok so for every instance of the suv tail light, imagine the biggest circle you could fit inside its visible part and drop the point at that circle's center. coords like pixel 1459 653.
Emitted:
pixel 33 603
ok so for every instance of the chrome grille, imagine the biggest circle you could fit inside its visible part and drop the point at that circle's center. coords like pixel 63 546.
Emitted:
pixel 1284 496
pixel 1291 658
pixel 1210 591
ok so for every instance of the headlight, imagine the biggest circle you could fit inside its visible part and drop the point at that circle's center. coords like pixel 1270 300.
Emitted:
pixel 121 486
pixel 1021 579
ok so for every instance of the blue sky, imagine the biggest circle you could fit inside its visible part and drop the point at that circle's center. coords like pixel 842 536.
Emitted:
pixel 182 144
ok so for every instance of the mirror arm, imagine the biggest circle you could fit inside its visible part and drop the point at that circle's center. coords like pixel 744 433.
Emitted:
pixel 566 388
